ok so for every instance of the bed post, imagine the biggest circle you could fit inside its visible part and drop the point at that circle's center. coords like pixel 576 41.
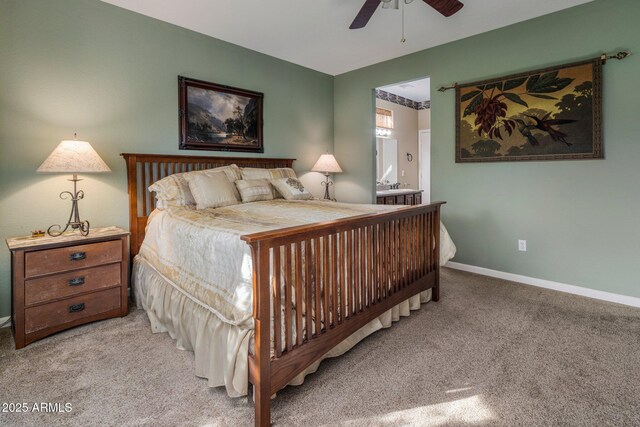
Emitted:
pixel 132 184
pixel 261 373
pixel 435 292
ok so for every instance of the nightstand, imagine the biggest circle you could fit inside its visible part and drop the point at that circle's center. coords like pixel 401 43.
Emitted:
pixel 62 282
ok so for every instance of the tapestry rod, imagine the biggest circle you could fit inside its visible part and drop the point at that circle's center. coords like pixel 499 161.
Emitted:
pixel 604 57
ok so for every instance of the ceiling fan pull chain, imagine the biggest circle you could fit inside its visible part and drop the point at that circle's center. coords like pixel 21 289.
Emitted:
pixel 402 40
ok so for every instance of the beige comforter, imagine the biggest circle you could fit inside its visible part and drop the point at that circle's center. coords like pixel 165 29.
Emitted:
pixel 201 250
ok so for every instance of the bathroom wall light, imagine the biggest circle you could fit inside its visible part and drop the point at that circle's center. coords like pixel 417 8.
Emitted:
pixel 382 132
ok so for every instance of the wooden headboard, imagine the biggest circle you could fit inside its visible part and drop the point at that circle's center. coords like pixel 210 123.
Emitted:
pixel 145 169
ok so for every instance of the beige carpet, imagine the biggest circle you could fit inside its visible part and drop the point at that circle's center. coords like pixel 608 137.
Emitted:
pixel 489 353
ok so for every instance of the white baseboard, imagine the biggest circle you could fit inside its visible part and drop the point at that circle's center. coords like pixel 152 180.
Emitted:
pixel 541 283
pixel 4 319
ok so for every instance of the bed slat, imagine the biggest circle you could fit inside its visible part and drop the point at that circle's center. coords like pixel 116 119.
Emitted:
pixel 277 302
pixel 341 256
pixel 307 289
pixel 317 286
pixel 335 284
pixel 288 309
pixel 298 286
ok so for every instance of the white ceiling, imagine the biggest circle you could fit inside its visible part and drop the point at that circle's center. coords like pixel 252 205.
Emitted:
pixel 315 33
pixel 415 90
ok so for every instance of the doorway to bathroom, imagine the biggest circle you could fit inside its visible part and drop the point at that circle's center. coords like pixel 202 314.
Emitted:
pixel 403 142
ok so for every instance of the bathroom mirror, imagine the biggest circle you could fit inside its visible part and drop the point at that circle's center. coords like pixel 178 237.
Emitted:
pixel 386 161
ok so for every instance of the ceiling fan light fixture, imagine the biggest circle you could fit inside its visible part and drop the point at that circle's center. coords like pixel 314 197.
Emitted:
pixel 445 7
pixel 390 4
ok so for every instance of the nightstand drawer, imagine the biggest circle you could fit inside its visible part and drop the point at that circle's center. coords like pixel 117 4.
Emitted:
pixel 64 285
pixel 49 261
pixel 71 310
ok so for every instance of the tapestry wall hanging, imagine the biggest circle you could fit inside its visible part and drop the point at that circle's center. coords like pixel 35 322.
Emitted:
pixel 548 114
pixel 219 118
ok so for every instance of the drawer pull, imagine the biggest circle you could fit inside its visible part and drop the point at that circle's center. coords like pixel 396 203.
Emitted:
pixel 77 256
pixel 76 308
pixel 76 281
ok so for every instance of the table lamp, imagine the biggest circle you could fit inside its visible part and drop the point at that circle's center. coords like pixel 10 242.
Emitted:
pixel 73 157
pixel 327 164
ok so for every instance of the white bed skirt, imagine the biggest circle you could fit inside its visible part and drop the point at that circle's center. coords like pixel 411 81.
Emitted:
pixel 221 349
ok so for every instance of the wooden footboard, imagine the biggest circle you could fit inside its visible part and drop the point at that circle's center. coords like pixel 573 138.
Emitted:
pixel 315 285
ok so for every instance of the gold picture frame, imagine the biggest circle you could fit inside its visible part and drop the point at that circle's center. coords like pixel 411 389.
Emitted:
pixel 215 117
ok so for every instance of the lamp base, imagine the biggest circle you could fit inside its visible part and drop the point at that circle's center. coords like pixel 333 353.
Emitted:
pixel 326 184
pixel 74 218
pixel 82 226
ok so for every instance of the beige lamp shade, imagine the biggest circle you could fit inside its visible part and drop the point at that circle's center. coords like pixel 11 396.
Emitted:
pixel 73 157
pixel 327 164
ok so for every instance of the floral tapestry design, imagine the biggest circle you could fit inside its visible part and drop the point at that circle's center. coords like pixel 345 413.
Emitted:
pixel 549 114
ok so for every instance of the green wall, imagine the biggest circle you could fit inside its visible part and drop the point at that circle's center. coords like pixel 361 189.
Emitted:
pixel 111 75
pixel 580 218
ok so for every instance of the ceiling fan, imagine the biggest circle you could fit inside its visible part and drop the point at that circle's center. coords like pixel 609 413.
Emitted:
pixel 445 7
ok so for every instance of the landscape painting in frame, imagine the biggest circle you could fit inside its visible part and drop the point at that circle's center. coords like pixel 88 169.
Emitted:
pixel 219 118
pixel 550 114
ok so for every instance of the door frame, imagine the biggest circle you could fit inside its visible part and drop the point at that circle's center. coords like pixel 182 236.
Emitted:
pixel 424 168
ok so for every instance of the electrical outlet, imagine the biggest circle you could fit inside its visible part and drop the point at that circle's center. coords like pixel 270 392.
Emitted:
pixel 402 173
pixel 522 245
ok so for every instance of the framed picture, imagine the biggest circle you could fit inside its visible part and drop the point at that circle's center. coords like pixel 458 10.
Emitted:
pixel 548 114
pixel 219 118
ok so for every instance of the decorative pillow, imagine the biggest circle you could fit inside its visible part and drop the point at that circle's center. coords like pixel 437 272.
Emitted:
pixel 212 190
pixel 291 189
pixel 268 174
pixel 253 190
pixel 175 188
pixel 233 174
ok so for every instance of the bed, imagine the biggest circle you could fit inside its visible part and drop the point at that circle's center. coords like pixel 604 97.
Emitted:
pixel 262 291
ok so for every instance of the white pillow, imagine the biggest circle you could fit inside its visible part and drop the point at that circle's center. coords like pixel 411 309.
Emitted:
pixel 175 187
pixel 254 190
pixel 212 190
pixel 291 189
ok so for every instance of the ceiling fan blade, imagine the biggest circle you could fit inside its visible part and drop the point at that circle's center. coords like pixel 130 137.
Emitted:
pixel 445 7
pixel 368 8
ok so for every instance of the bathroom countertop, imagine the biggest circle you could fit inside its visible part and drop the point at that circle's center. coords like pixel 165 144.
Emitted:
pixel 397 192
